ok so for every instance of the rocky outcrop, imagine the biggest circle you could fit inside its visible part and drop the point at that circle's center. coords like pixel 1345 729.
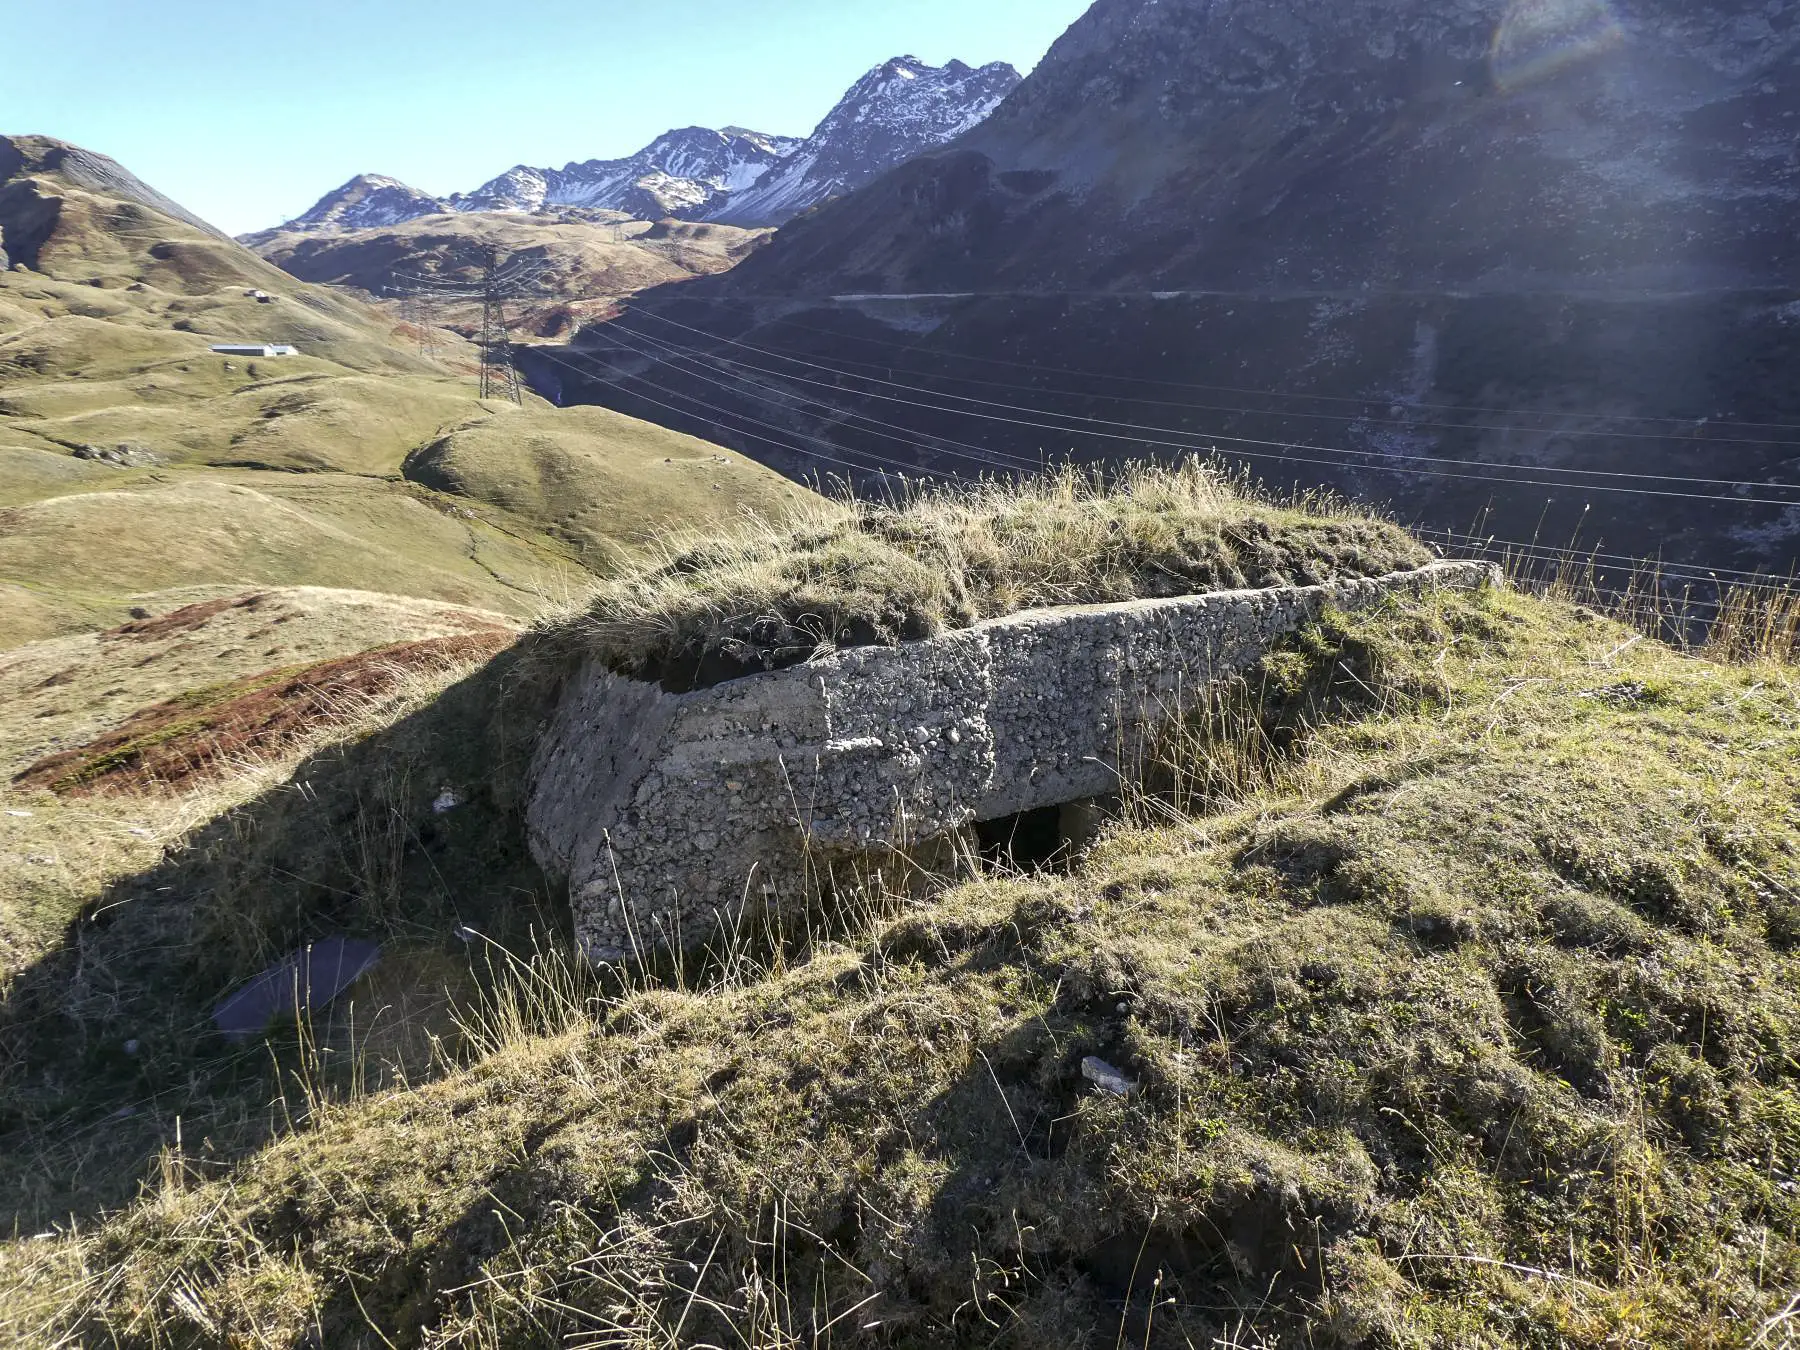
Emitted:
pixel 670 815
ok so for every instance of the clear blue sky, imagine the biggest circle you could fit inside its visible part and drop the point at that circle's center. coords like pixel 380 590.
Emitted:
pixel 246 111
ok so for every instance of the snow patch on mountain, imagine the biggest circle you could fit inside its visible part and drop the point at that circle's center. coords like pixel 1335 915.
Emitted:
pixel 369 201
pixel 680 174
pixel 898 110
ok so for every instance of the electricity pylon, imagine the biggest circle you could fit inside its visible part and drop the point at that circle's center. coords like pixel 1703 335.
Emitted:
pixel 499 281
pixel 498 376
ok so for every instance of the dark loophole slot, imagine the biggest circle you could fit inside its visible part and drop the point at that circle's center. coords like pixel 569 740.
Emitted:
pixel 1029 841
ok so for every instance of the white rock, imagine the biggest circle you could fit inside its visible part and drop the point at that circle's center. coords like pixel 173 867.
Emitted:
pixel 1108 1079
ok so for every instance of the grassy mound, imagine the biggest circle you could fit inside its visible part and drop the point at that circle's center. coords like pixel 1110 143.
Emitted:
pixel 866 575
pixel 604 483
pixel 1470 1018
pixel 90 557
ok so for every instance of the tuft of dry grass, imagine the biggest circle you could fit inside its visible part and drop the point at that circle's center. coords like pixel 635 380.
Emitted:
pixel 860 574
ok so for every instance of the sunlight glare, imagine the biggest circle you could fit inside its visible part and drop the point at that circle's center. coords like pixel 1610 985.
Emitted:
pixel 1538 38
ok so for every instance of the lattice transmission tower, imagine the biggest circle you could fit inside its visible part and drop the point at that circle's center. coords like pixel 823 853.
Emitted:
pixel 499 281
pixel 415 313
pixel 499 378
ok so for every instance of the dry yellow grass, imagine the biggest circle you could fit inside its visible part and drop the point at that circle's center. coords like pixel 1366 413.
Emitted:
pixel 63 692
pixel 857 574
pixel 1468 1018
pixel 606 484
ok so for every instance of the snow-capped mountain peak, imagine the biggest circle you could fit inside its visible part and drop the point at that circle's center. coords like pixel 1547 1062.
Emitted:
pixel 681 173
pixel 367 201
pixel 900 109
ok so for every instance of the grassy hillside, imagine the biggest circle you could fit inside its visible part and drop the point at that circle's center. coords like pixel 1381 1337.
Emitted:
pixel 204 470
pixel 1473 1023
pixel 602 483
pixel 65 693
pixel 1450 970
pixel 592 259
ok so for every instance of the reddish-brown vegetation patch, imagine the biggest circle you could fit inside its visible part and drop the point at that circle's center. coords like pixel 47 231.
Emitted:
pixel 174 744
pixel 184 620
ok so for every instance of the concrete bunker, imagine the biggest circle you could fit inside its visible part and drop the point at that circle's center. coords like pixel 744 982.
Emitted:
pixel 671 816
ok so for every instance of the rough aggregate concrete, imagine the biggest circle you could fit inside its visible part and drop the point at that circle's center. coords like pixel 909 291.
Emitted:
pixel 670 814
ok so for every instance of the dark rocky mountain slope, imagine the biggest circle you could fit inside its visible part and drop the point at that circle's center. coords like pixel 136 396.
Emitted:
pixel 1357 243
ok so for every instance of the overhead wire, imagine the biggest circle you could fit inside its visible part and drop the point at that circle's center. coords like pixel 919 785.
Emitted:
pixel 1148 436
pixel 918 440
pixel 1693 574
pixel 1574 550
pixel 725 426
pixel 1488 544
pixel 974 455
pixel 1722 578
pixel 960 358
pixel 1179 431
pixel 1691 441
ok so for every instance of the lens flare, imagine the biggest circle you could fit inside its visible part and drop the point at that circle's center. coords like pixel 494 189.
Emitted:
pixel 1538 38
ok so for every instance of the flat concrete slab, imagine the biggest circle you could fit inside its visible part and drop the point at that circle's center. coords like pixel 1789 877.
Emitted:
pixel 297 985
pixel 671 815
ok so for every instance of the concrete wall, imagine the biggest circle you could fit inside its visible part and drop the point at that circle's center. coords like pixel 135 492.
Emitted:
pixel 669 813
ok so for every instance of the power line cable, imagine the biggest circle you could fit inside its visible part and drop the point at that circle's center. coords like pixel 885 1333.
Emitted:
pixel 1690 441
pixel 1239 441
pixel 1177 384
pixel 998 459
pixel 1179 431
pixel 725 426
pixel 1743 579
pixel 784 406
pixel 1730 579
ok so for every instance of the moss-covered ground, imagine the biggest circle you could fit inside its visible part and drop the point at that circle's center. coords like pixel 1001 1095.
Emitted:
pixel 1454 977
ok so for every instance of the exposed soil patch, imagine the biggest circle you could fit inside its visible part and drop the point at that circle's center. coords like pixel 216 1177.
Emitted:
pixel 175 743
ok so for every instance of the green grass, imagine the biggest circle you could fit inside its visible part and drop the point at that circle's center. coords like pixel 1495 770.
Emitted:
pixel 1467 1016
pixel 606 484
pixel 107 341
pixel 89 558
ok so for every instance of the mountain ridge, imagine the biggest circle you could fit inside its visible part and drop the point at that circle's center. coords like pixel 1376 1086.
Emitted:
pixel 731 175
pixel 901 108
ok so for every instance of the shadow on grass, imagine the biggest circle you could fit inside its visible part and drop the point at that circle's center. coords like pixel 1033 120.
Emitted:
pixel 108 1056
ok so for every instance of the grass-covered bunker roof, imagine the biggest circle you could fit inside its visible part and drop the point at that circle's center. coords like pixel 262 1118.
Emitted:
pixel 858 574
